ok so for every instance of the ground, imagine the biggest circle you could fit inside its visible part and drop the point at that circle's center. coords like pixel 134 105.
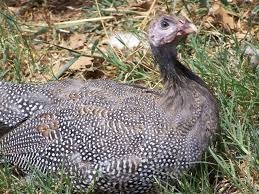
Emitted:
pixel 48 40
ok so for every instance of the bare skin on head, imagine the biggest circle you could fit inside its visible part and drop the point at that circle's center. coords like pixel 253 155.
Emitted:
pixel 164 29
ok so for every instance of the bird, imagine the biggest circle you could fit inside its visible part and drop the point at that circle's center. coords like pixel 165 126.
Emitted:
pixel 110 136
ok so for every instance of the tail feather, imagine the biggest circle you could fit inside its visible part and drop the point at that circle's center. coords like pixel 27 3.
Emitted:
pixel 18 102
pixel 4 129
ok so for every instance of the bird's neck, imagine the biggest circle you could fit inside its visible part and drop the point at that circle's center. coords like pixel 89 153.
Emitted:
pixel 174 74
pixel 166 58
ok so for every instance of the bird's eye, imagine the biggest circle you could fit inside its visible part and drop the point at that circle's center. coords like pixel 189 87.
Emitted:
pixel 164 24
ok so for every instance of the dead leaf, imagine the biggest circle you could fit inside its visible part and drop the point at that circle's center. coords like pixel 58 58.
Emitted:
pixel 223 17
pixel 77 41
pixel 56 67
pixel 241 35
pixel 14 10
pixel 143 5
pixel 82 63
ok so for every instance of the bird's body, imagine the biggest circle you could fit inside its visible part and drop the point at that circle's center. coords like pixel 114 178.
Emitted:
pixel 118 137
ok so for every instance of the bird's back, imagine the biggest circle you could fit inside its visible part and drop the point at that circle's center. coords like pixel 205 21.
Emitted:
pixel 18 102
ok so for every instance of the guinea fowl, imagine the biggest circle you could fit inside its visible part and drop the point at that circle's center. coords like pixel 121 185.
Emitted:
pixel 119 138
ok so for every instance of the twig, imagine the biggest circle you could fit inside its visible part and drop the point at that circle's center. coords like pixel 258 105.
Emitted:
pixel 66 24
pixel 142 64
pixel 186 7
pixel 104 28
pixel 100 15
pixel 121 10
pixel 144 23
pixel 68 49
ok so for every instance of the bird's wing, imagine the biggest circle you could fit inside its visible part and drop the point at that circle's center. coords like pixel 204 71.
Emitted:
pixel 18 102
pixel 91 127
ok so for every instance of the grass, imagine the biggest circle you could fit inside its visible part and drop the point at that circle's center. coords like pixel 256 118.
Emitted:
pixel 14 48
pixel 231 164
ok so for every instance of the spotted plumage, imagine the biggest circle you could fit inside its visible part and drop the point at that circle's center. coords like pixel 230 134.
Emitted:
pixel 119 138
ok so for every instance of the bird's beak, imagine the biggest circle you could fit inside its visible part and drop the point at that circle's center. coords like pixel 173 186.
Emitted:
pixel 186 28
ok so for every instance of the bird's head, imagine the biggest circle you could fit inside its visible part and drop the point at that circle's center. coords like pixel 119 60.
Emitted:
pixel 169 29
